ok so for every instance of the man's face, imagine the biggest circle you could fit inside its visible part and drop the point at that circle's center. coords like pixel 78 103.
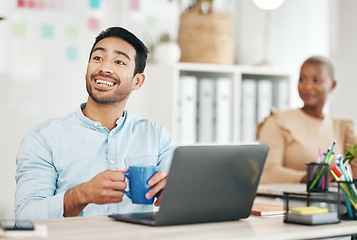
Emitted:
pixel 110 72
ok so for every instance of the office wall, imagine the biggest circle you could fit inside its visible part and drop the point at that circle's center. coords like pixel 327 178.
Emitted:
pixel 43 56
pixel 43 76
pixel 344 54
pixel 297 30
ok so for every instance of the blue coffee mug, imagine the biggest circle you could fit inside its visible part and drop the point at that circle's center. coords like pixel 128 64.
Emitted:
pixel 138 177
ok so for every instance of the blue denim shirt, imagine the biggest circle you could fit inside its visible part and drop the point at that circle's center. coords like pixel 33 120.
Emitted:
pixel 62 153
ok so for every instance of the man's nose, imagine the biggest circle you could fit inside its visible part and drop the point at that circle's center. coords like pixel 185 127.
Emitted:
pixel 105 67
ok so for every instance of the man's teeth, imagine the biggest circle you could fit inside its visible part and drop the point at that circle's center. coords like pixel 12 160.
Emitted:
pixel 104 82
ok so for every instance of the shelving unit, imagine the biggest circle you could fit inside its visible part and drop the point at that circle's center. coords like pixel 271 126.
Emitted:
pixel 159 98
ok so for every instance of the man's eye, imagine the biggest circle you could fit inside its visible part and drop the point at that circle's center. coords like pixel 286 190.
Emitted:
pixel 120 62
pixel 301 80
pixel 97 58
pixel 317 80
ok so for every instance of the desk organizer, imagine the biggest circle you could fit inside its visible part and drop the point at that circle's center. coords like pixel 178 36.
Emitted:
pixel 317 177
pixel 330 199
pixel 348 191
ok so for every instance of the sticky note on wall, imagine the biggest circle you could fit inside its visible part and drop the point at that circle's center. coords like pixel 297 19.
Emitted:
pixel 134 5
pixel 19 29
pixel 72 32
pixel 93 24
pixel 47 31
pixel 94 4
pixel 31 3
pixel 72 53
pixel 20 3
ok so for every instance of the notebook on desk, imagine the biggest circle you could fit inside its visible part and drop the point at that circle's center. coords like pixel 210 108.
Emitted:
pixel 207 184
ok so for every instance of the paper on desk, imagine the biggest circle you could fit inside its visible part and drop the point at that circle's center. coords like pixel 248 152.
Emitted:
pixel 264 209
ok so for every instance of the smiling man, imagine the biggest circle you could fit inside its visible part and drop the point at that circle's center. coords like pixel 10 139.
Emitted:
pixel 73 165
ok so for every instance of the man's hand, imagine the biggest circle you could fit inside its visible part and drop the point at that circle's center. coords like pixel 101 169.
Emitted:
pixel 105 187
pixel 158 183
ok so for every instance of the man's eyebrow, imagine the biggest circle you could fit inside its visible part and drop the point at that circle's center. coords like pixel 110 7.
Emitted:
pixel 123 53
pixel 117 52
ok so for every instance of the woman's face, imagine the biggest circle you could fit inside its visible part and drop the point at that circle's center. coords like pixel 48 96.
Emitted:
pixel 315 83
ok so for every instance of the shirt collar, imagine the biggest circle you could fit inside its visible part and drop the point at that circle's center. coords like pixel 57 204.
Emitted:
pixel 97 125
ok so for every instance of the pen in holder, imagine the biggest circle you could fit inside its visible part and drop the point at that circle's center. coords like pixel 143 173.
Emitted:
pixel 349 194
pixel 317 175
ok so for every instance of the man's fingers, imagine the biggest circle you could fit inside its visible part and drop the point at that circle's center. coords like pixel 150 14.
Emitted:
pixel 158 182
pixel 157 178
pixel 158 198
pixel 115 186
pixel 116 176
pixel 111 196
pixel 156 189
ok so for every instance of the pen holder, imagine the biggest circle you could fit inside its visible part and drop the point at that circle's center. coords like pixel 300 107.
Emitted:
pixel 349 194
pixel 317 175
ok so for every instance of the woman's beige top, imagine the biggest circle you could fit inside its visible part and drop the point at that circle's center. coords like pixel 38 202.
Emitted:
pixel 295 138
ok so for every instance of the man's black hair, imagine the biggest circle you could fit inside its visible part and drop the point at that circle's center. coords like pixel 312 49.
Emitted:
pixel 139 46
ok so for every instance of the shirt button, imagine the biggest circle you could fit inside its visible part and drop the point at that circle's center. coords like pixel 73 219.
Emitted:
pixel 111 162
pixel 111 134
pixel 95 124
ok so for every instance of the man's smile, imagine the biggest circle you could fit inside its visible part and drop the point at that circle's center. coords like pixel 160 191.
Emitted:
pixel 102 82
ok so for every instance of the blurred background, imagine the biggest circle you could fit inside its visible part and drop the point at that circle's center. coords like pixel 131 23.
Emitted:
pixel 45 44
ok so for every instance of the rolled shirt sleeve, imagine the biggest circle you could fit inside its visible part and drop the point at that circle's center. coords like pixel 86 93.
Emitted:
pixel 36 176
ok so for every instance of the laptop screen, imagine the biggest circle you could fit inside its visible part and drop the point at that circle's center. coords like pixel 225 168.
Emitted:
pixel 212 183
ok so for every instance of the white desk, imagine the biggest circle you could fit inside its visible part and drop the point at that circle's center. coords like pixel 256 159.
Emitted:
pixel 278 189
pixel 255 227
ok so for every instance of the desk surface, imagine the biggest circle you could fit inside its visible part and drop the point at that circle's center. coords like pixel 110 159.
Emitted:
pixel 254 227
pixel 278 189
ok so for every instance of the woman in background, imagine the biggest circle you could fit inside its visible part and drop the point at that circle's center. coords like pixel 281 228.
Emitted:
pixel 295 136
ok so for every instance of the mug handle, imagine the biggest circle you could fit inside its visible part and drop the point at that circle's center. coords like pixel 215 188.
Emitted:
pixel 127 192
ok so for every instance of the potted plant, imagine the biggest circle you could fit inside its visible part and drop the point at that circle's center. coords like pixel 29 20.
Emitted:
pixel 166 51
pixel 350 157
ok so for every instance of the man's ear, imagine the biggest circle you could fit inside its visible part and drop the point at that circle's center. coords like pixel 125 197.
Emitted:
pixel 139 79
pixel 334 83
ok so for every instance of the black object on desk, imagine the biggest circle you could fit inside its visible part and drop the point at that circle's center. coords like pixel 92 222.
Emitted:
pixel 314 219
pixel 347 189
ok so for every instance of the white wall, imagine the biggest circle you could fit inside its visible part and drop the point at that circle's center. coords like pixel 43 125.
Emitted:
pixel 344 54
pixel 300 28
pixel 37 80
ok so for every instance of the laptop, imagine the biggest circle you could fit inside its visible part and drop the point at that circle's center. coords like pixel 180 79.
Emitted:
pixel 207 184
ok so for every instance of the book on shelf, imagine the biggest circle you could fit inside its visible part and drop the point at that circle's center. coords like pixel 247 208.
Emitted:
pixel 188 109
pixel 265 99
pixel 265 209
pixel 281 95
pixel 248 113
pixel 223 109
pixel 206 110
